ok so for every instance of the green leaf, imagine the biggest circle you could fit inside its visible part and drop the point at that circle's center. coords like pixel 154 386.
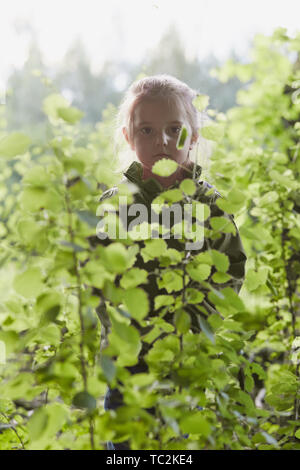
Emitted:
pixel 163 300
pixel 172 195
pixel 227 206
pixel 171 256
pixel 34 199
pixel 204 258
pixel 250 234
pixel 52 103
pixel 213 132
pixel 21 386
pixel 29 230
pixel 116 257
pixel 182 321
pixel 182 138
pixel 171 280
pixel 257 369
pixel 283 180
pixel 83 154
pixel 236 196
pixel 108 367
pixel 164 167
pixel 268 198
pixel 193 296
pixel 96 273
pixel 70 115
pixel 227 300
pixel 254 279
pixel 220 278
pixel 233 299
pixel 37 176
pixel 14 144
pixel 29 283
pixel 249 383
pixel 10 342
pixel 153 249
pixel 199 272
pixel 47 421
pixel 222 224
pixel 50 315
pixel 136 301
pixel 188 187
pixel 84 400
pixel 125 341
pixel 220 260
pixel 215 321
pixel 57 417
pixel 49 334
pixel 234 201
pixel 246 400
pixel 37 424
pixel 195 424
pixel 201 102
pixel 113 293
pixel 154 333
pixel 133 278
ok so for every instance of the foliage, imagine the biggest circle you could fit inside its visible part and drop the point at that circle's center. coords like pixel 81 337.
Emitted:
pixel 230 383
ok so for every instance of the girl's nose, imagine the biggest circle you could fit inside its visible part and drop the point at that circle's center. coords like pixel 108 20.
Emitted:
pixel 162 138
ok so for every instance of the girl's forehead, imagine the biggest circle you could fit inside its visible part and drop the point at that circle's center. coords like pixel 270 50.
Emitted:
pixel 158 109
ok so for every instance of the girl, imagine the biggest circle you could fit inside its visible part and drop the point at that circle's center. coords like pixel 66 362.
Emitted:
pixel 151 118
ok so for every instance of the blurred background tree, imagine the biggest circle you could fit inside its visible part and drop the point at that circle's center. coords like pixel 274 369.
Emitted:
pixel 92 92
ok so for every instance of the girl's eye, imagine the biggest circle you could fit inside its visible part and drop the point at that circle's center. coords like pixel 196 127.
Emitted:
pixel 146 130
pixel 176 129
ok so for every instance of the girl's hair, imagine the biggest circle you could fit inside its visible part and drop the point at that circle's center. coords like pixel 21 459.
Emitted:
pixel 165 87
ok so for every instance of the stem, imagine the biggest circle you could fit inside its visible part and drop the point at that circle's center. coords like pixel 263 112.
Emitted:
pixel 15 431
pixel 78 288
pixel 92 433
pixel 80 314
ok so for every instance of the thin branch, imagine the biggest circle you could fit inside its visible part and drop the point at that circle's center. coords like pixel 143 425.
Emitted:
pixel 15 431
pixel 78 288
pixel 80 314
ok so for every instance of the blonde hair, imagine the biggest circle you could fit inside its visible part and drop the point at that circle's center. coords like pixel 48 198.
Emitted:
pixel 172 90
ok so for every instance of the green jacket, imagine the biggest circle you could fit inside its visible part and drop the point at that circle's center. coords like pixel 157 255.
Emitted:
pixel 228 243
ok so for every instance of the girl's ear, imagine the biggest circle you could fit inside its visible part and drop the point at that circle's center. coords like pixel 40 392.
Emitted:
pixel 193 141
pixel 126 135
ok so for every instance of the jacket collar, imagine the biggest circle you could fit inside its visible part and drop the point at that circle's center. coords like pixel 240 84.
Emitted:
pixel 151 186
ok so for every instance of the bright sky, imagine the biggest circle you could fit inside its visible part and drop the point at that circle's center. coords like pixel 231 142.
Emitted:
pixel 127 29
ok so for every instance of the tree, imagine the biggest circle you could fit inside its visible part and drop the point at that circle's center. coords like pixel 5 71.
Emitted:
pixel 26 92
pixel 169 56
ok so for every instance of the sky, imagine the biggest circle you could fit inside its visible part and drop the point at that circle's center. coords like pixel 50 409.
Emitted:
pixel 128 29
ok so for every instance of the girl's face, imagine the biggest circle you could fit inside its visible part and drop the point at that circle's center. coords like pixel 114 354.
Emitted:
pixel 156 127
